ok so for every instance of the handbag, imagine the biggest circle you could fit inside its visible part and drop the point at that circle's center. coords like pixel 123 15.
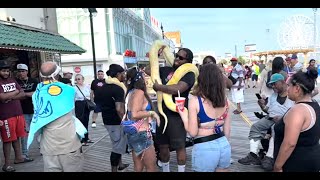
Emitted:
pixel 89 104
pixel 234 80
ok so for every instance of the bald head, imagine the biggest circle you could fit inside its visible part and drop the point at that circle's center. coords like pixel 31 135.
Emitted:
pixel 48 68
pixel 49 71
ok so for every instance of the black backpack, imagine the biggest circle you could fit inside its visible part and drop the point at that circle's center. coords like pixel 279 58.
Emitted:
pixel 268 80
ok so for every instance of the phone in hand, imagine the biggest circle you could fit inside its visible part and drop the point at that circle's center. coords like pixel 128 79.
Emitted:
pixel 258 96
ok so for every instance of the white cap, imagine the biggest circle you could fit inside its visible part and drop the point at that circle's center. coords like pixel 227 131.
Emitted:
pixel 22 67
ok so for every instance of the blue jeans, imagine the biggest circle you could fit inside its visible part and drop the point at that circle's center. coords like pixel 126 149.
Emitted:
pixel 208 156
pixel 139 142
pixel 28 118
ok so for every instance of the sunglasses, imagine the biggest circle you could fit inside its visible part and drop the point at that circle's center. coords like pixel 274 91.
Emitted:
pixel 180 57
pixel 77 79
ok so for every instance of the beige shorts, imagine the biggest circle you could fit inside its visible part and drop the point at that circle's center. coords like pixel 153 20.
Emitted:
pixel 71 162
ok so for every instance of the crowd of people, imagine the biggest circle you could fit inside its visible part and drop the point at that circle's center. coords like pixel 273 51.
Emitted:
pixel 289 120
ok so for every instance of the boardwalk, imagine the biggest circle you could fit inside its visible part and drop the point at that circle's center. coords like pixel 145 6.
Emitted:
pixel 97 155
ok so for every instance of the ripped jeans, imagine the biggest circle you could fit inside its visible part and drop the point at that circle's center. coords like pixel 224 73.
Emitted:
pixel 139 142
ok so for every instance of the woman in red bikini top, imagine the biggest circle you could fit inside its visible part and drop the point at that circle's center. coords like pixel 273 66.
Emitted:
pixel 208 121
pixel 140 113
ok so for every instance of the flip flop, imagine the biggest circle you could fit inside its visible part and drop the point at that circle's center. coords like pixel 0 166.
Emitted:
pixel 85 144
pixel 8 169
pixel 25 160
pixel 237 112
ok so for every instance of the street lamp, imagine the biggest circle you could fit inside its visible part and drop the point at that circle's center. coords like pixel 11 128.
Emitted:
pixel 162 31
pixel 92 13
pixel 314 28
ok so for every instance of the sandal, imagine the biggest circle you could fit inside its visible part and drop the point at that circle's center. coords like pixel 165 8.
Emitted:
pixel 237 112
pixel 25 160
pixel 85 144
pixel 8 169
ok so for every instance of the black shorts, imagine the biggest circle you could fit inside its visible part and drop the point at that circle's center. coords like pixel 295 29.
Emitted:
pixel 97 109
pixel 254 77
pixel 175 134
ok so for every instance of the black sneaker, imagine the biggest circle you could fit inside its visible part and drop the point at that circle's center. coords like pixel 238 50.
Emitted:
pixel 120 168
pixel 267 163
pixel 250 159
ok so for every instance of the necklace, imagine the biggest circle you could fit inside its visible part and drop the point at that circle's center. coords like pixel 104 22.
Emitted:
pixel 25 82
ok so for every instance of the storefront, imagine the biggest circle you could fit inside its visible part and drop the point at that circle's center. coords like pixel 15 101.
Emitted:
pixel 31 46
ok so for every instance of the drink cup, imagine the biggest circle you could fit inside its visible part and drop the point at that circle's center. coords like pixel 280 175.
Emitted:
pixel 180 103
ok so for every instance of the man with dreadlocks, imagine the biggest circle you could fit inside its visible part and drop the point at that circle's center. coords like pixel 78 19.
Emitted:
pixel 175 133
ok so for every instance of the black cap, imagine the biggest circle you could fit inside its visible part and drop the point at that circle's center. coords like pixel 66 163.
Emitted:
pixel 4 64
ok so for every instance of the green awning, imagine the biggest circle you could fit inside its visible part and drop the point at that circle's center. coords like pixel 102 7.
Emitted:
pixel 20 37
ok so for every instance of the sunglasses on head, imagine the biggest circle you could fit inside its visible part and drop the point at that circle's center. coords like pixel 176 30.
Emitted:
pixel 180 57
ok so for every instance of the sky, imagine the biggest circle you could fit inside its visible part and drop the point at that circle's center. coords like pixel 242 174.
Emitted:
pixel 221 29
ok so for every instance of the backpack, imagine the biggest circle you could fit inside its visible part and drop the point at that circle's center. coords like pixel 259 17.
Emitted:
pixel 268 80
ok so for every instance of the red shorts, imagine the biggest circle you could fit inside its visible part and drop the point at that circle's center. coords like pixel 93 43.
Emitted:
pixel 13 128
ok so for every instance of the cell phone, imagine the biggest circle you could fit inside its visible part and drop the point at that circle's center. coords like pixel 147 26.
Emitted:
pixel 258 96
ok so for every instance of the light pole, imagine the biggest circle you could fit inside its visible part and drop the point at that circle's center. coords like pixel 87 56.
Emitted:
pixel 267 31
pixel 92 13
pixel 315 29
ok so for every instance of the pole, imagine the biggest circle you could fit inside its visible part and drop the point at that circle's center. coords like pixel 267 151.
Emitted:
pixel 93 48
pixel 267 31
pixel 235 48
pixel 314 30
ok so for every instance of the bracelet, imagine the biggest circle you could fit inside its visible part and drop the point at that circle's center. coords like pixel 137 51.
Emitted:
pixel 150 113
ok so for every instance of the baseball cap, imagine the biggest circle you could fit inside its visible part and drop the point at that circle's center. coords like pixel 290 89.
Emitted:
pixel 275 78
pixel 234 59
pixel 22 67
pixel 294 56
pixel 4 64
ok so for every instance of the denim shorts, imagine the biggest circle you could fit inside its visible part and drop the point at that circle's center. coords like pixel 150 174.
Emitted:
pixel 139 142
pixel 208 156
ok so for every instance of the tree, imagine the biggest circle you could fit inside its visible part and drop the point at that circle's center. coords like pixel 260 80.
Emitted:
pixel 224 61
pixel 242 60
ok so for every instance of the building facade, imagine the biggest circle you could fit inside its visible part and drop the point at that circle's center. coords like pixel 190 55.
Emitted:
pixel 116 30
pixel 29 36
pixel 199 56
pixel 175 36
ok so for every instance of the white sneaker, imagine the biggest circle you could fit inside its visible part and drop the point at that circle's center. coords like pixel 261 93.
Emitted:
pixel 94 125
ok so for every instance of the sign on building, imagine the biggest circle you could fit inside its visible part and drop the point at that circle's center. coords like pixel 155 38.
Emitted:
pixel 250 47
